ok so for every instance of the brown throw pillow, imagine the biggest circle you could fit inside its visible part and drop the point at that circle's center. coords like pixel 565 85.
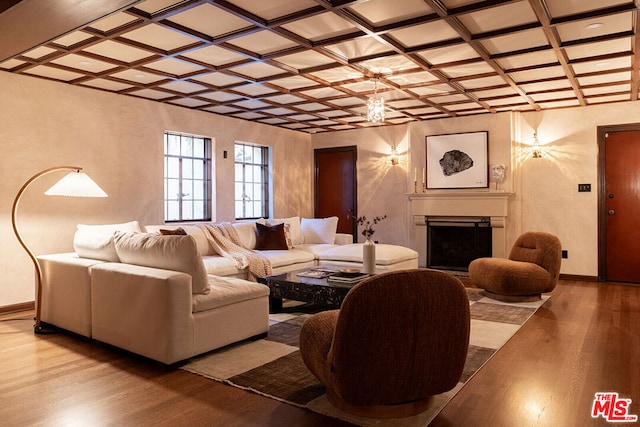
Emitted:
pixel 270 237
pixel 175 232
pixel 287 234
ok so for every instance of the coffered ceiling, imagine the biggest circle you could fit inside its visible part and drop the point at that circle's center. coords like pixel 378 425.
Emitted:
pixel 310 65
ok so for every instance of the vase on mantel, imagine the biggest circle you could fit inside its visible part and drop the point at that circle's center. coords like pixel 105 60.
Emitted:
pixel 369 257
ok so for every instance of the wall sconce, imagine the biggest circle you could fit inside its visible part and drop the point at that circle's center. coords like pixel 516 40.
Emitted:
pixel 536 148
pixel 394 155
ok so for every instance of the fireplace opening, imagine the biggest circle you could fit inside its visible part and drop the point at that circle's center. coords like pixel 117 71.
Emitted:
pixel 452 243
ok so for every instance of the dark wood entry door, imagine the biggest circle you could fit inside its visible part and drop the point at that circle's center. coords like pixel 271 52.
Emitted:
pixel 622 195
pixel 335 186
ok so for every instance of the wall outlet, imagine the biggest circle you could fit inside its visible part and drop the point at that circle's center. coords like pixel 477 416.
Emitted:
pixel 584 188
pixel 565 254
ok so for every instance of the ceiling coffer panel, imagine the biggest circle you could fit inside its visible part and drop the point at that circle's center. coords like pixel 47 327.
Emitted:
pixel 311 65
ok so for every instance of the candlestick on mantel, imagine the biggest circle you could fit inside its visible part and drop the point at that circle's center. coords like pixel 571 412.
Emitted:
pixel 415 186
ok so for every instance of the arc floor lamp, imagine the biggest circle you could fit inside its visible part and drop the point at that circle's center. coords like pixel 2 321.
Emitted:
pixel 74 184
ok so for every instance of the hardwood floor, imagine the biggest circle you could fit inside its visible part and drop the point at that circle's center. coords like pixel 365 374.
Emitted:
pixel 584 340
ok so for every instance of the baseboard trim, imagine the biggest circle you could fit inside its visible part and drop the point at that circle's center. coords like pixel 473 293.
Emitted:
pixel 578 277
pixel 13 308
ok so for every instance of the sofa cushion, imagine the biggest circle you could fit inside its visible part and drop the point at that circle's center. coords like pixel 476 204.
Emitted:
pixel 226 291
pixel 319 230
pixel 192 230
pixel 279 258
pixel 178 253
pixel 220 266
pixel 315 249
pixel 385 254
pixel 270 237
pixel 294 228
pixel 96 241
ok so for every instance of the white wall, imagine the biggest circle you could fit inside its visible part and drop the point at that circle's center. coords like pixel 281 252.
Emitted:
pixel 118 140
pixel 548 187
pixel 383 189
pixel 545 191
pixel 381 186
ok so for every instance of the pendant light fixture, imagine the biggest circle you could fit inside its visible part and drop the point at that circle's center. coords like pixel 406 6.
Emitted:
pixel 375 105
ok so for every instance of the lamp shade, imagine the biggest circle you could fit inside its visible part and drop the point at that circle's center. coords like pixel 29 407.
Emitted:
pixel 76 184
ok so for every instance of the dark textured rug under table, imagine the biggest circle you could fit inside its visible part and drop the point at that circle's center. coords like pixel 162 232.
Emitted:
pixel 273 366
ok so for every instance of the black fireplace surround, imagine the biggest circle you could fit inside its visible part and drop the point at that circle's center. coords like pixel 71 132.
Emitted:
pixel 453 242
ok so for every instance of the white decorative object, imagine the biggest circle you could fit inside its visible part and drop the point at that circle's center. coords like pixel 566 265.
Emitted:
pixel 369 257
pixel 498 174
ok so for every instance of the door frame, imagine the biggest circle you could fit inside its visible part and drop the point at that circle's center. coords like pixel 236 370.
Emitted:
pixel 602 196
pixel 350 148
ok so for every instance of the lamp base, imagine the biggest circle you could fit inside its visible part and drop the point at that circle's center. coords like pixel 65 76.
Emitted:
pixel 43 329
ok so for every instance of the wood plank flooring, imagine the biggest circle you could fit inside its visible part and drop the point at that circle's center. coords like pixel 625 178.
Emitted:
pixel 585 339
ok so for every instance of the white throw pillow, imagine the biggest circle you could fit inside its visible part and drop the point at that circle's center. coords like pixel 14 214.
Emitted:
pixel 294 228
pixel 95 245
pixel 96 241
pixel 132 226
pixel 204 248
pixel 178 253
pixel 247 232
pixel 319 230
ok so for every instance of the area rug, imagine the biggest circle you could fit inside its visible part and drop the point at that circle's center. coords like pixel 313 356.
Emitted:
pixel 273 367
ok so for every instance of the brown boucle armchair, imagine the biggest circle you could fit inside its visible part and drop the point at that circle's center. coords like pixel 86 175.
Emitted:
pixel 532 269
pixel 399 338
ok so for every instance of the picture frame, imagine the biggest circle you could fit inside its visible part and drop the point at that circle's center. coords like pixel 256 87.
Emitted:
pixel 459 160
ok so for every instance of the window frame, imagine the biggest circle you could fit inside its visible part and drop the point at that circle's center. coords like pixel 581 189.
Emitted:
pixel 265 184
pixel 206 179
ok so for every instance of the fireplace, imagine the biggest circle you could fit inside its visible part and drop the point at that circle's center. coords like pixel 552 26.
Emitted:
pixel 491 206
pixel 453 242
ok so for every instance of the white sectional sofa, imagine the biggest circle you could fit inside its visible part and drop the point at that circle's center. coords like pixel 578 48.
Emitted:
pixel 171 297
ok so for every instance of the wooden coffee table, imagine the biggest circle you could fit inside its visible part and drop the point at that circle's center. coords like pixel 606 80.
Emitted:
pixel 313 290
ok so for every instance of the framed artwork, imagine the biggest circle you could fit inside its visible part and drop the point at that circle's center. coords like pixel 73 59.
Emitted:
pixel 458 160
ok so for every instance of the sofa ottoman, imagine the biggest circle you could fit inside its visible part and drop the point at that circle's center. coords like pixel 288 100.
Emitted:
pixel 388 257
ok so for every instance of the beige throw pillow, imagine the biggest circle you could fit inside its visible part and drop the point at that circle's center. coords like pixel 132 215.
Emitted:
pixel 178 253
pixel 295 232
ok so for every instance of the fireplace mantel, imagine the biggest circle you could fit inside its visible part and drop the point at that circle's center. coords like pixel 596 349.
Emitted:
pixel 454 203
pixel 460 203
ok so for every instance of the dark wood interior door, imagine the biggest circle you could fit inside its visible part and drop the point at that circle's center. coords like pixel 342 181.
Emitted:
pixel 335 186
pixel 622 193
